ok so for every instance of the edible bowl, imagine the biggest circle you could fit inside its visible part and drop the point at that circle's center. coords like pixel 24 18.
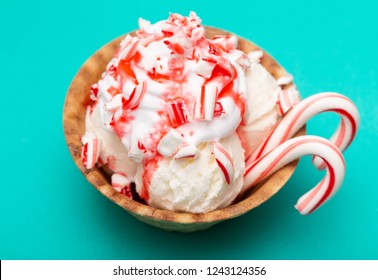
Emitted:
pixel 77 99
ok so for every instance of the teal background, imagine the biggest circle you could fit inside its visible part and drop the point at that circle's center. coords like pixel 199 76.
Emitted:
pixel 49 211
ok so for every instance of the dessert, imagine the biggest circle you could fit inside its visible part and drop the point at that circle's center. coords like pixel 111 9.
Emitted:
pixel 167 110
pixel 189 124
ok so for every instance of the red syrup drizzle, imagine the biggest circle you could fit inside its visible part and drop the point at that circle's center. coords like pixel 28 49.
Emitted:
pixel 88 103
pixel 126 72
pixel 149 168
pixel 227 74
pixel 237 97
pixel 122 124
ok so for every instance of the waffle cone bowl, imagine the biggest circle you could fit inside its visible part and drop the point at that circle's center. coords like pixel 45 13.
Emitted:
pixel 74 128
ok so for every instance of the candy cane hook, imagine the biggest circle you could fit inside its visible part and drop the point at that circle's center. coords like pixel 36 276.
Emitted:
pixel 294 149
pixel 292 122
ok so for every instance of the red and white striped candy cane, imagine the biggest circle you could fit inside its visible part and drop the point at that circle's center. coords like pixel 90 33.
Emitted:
pixel 224 161
pixel 294 149
pixel 90 152
pixel 292 122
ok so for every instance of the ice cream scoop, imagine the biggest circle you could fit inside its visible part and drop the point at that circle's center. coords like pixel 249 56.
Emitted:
pixel 263 91
pixel 196 185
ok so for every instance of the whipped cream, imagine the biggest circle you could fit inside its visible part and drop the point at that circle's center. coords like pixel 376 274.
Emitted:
pixel 171 77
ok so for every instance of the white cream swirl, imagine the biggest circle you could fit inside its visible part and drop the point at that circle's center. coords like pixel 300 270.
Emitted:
pixel 171 76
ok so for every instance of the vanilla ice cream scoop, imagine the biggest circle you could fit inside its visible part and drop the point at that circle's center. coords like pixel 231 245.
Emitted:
pixel 112 155
pixel 263 91
pixel 195 185
pixel 267 102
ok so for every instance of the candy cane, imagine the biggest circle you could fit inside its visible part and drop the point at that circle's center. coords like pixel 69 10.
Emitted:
pixel 115 104
pixel 305 110
pixel 291 150
pixel 224 161
pixel 287 99
pixel 135 97
pixel 225 42
pixel 129 50
pixel 121 184
pixel 177 112
pixel 187 151
pixel 285 80
pixel 90 152
pixel 119 181
pixel 170 143
pixel 208 101
pixel 204 68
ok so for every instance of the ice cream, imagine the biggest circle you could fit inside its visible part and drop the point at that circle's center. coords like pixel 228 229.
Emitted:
pixel 195 185
pixel 169 113
pixel 262 94
pixel 112 155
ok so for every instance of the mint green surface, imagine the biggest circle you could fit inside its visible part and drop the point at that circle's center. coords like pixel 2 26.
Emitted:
pixel 49 211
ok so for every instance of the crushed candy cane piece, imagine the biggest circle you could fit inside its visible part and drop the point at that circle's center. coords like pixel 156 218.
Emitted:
pixel 198 33
pixel 177 112
pixel 211 93
pixel 94 92
pixel 121 184
pixel 170 143
pixel 169 27
pixel 145 25
pixel 224 161
pixel 256 56
pixel 128 87
pixel 135 97
pixel 136 151
pixel 205 104
pixel 287 99
pixel 225 42
pixel 128 52
pixel 204 68
pixel 90 152
pixel 115 104
pixel 187 151
pixel 285 80
pixel 119 181
pixel 244 62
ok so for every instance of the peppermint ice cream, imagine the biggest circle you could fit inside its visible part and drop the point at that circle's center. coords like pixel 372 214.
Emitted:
pixel 177 114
